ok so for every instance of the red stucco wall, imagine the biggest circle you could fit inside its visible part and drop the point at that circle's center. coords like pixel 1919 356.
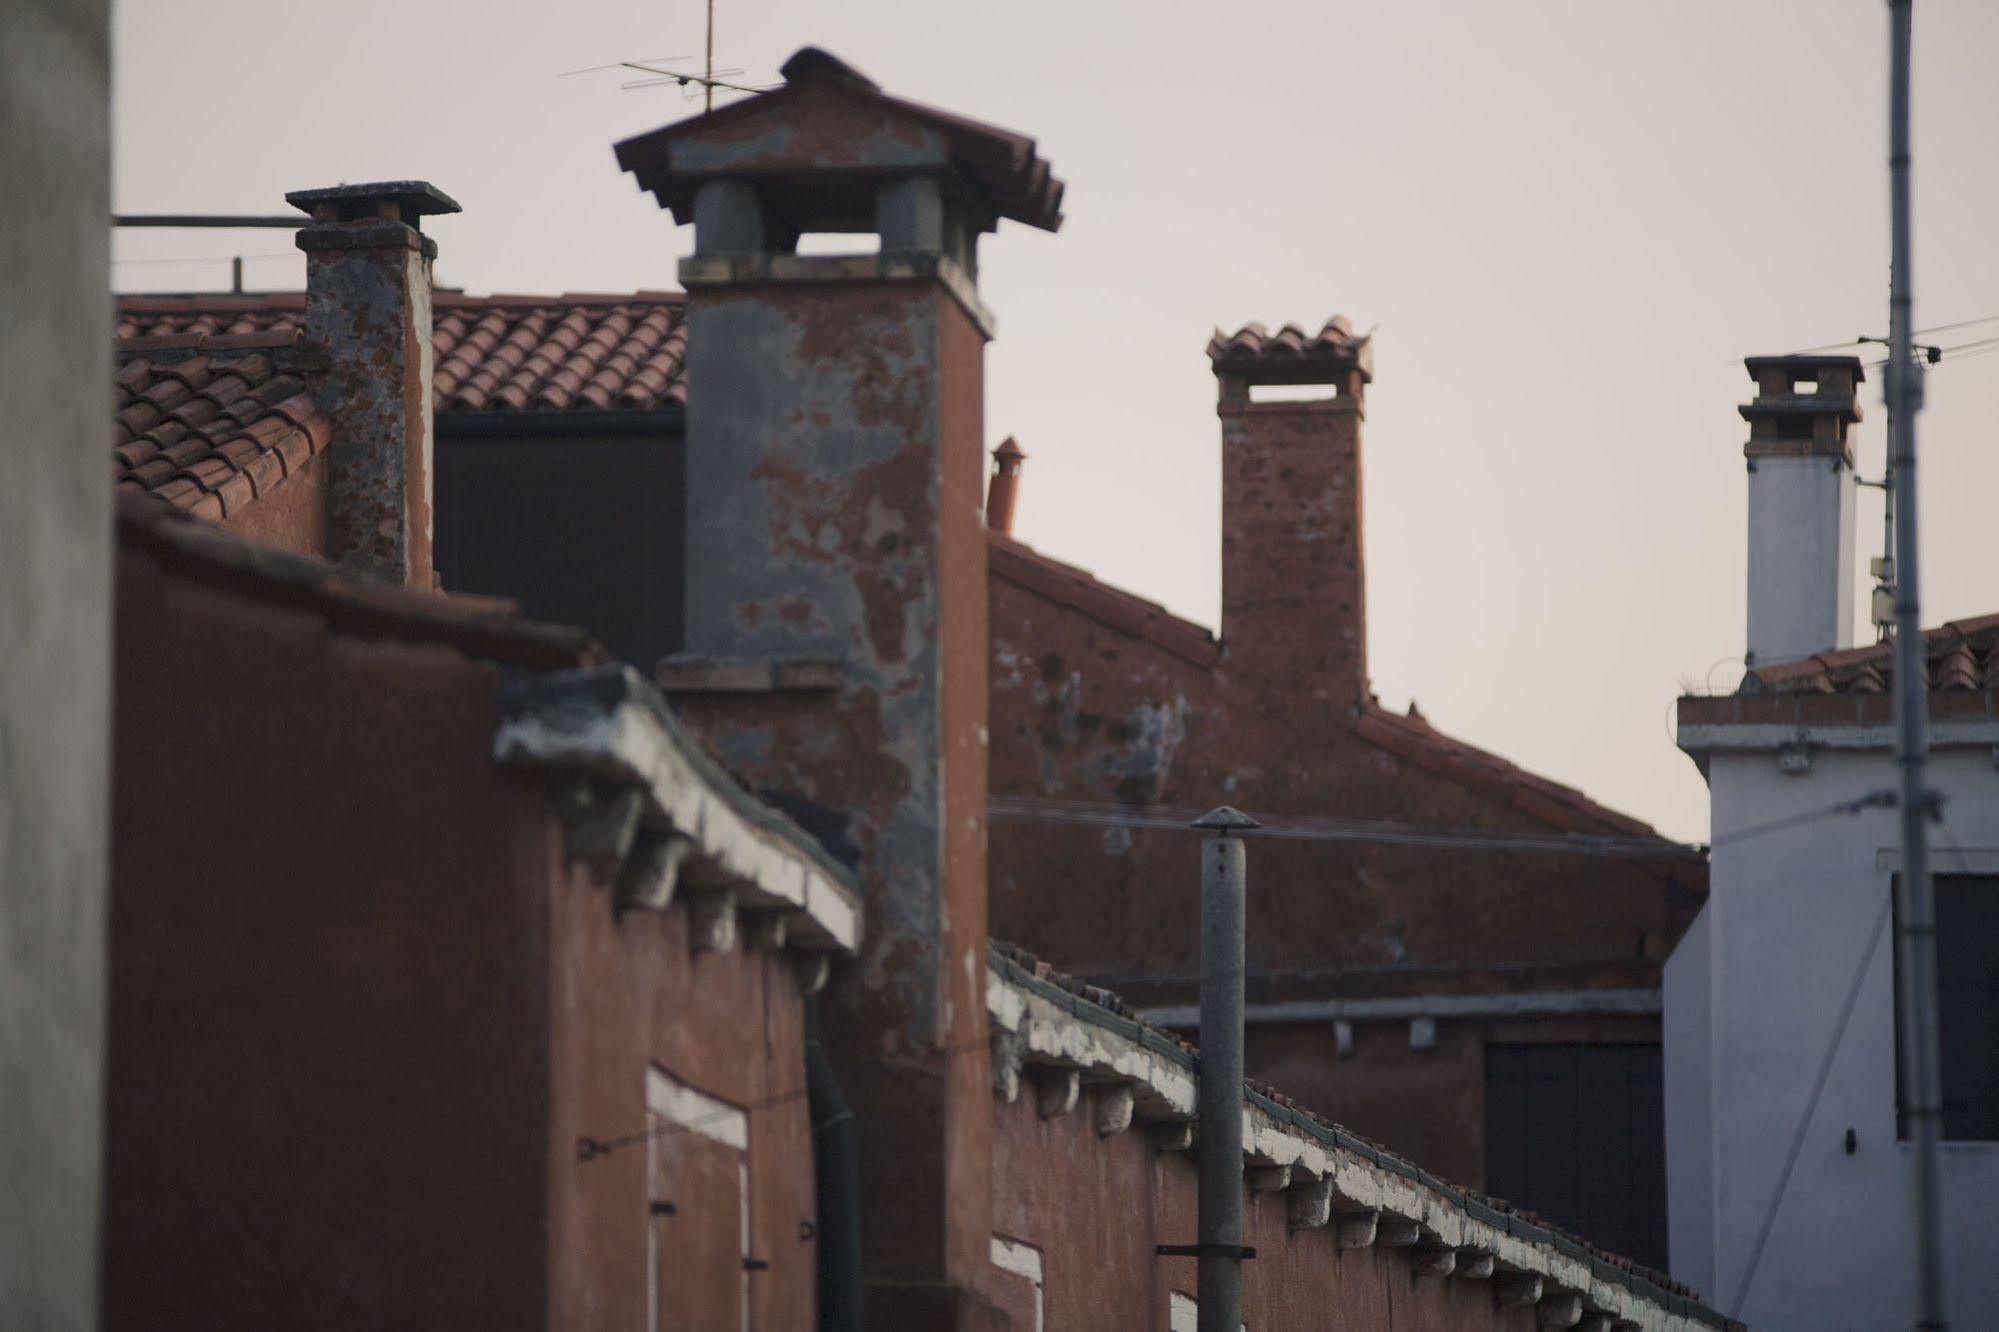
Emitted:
pixel 1095 1207
pixel 328 1098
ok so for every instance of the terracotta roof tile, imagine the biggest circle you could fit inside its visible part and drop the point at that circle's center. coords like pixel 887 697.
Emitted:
pixel 1962 656
pixel 220 442
pixel 1253 344
pixel 580 352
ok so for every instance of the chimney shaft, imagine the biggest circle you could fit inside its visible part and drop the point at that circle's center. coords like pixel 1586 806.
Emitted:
pixel 1801 494
pixel 1003 490
pixel 834 479
pixel 1294 592
pixel 368 280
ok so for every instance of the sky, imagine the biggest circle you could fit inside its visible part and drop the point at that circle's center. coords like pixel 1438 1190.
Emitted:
pixel 1567 221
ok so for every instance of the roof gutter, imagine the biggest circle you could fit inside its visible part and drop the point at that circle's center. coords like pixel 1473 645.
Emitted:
pixel 1529 1003
pixel 670 420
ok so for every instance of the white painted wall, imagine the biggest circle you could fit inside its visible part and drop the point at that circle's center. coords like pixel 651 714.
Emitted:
pixel 1800 558
pixel 1752 998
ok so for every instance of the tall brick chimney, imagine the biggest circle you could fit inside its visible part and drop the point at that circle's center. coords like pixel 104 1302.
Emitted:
pixel 837 558
pixel 367 270
pixel 1294 594
pixel 1801 492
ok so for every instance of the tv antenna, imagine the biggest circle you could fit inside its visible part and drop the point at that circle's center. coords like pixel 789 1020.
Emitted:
pixel 653 67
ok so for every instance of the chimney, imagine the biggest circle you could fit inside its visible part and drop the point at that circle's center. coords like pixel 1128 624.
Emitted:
pixel 834 478
pixel 367 267
pixel 1801 490
pixel 1004 488
pixel 1294 597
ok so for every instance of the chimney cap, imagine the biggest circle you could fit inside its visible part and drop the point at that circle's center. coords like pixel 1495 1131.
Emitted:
pixel 811 62
pixel 1292 356
pixel 820 146
pixel 1009 451
pixel 412 199
pixel 1805 364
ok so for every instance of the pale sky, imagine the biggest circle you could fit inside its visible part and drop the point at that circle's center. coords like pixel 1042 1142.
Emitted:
pixel 1570 219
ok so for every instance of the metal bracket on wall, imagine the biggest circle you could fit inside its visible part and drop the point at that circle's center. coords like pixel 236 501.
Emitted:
pixel 1237 1251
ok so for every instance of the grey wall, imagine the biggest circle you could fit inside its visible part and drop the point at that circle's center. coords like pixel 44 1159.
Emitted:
pixel 55 569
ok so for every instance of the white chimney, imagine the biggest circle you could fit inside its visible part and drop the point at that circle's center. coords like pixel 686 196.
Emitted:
pixel 1801 490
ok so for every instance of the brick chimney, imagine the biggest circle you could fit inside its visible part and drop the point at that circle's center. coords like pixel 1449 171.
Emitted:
pixel 1294 596
pixel 836 542
pixel 367 266
pixel 1801 491
pixel 1003 490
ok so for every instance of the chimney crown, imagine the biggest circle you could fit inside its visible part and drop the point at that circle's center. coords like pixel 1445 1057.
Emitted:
pixel 405 201
pixel 1254 355
pixel 821 148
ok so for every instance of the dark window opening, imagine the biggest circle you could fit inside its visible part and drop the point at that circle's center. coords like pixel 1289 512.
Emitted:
pixel 1577 1134
pixel 585 531
pixel 1967 942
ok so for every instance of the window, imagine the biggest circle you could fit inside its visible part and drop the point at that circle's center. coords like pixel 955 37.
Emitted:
pixel 1967 907
pixel 1577 1133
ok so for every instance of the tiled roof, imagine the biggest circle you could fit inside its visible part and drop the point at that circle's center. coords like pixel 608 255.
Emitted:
pixel 1113 607
pixel 575 352
pixel 1961 656
pixel 208 422
pixel 1413 738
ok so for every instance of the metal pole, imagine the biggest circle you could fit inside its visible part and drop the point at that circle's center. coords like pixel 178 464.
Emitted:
pixel 1220 1081
pixel 1916 934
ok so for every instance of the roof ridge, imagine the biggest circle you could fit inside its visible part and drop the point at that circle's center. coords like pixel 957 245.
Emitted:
pixel 1110 605
pixel 1501 770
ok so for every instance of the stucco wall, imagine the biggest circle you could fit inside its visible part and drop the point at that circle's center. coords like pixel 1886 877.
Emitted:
pixel 628 992
pixel 328 1091
pixel 55 623
pixel 1793 917
pixel 1096 1207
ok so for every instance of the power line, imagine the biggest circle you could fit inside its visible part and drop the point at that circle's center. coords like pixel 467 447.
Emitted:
pixel 1301 828
pixel 1921 332
pixel 590 1149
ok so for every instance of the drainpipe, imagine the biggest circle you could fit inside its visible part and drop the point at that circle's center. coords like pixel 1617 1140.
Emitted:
pixel 836 1179
pixel 1220 1250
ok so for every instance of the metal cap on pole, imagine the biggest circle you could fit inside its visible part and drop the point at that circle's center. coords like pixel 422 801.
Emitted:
pixel 1220 1251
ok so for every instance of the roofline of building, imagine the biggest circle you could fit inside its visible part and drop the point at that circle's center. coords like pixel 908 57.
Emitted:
pixel 613 728
pixel 1525 1003
pixel 567 423
pixel 483 628
pixel 1041 1022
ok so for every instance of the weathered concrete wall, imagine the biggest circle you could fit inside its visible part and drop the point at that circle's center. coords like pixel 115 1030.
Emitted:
pixel 329 1081
pixel 55 622
pixel 834 483
pixel 1794 919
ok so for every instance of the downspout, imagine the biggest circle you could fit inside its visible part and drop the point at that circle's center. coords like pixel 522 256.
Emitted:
pixel 836 1179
